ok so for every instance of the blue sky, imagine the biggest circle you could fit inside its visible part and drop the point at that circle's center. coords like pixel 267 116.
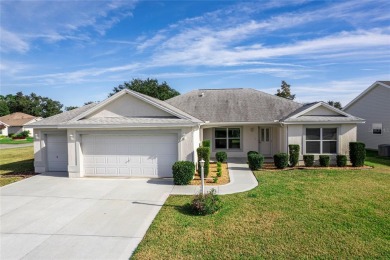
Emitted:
pixel 77 51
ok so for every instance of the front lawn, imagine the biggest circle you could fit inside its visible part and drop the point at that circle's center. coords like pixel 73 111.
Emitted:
pixel 16 164
pixel 7 140
pixel 291 214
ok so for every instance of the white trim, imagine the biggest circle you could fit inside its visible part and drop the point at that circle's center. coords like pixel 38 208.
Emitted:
pixel 365 92
pixel 227 149
pixel 320 140
pixel 323 123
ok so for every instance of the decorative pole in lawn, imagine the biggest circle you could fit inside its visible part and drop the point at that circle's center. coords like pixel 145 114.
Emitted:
pixel 202 175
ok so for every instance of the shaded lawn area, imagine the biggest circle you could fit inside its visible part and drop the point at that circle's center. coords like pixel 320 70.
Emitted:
pixel 291 214
pixel 7 140
pixel 16 164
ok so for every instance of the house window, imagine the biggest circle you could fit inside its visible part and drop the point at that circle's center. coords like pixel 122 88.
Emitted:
pixel 227 138
pixel 377 128
pixel 321 140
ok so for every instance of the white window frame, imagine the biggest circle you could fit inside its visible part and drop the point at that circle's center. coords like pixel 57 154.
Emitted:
pixel 227 138
pixel 321 140
pixel 377 126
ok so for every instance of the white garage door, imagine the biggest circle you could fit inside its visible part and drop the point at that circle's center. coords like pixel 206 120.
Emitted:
pixel 57 153
pixel 129 155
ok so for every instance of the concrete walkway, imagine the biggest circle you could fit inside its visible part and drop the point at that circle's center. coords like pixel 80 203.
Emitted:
pixel 241 179
pixel 7 146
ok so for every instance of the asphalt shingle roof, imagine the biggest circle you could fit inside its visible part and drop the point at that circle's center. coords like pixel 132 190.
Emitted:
pixel 234 105
pixel 17 119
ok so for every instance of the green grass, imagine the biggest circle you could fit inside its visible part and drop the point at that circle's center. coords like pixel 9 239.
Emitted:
pixel 8 140
pixel 291 214
pixel 16 164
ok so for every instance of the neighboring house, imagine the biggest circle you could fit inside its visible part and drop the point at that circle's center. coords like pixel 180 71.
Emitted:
pixel 131 134
pixel 15 123
pixel 373 104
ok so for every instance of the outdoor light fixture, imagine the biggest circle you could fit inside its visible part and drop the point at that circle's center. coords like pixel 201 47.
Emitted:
pixel 71 137
pixel 201 162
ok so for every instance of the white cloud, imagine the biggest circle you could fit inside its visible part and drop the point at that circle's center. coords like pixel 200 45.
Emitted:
pixel 12 42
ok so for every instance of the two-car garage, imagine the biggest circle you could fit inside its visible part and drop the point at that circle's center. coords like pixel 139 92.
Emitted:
pixel 122 155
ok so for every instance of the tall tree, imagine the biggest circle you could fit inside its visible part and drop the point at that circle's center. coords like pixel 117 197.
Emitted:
pixel 285 91
pixel 150 87
pixel 336 104
pixel 32 104
pixel 4 110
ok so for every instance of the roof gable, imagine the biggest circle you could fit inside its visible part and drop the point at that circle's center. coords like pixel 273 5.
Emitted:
pixel 385 84
pixel 107 108
pixel 129 106
pixel 320 112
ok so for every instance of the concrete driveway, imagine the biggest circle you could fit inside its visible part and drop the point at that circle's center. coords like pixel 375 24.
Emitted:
pixel 54 217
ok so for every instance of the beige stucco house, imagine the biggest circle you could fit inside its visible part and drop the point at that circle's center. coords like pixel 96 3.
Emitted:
pixel 131 134
pixel 373 104
pixel 17 122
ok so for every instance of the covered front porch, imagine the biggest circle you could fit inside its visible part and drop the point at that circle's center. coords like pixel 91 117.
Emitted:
pixel 238 139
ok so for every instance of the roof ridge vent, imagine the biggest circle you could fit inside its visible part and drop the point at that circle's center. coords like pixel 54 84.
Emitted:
pixel 201 94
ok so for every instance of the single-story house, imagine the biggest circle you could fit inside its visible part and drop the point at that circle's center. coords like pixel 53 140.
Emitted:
pixel 131 134
pixel 16 122
pixel 373 104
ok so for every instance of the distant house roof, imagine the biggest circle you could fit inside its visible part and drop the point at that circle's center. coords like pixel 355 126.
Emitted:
pixel 382 83
pixel 234 105
pixel 17 119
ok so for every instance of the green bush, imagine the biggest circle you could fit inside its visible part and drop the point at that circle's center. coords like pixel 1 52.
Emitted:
pixel 215 179
pixel 221 156
pixel 183 172
pixel 309 160
pixel 25 133
pixel 281 160
pixel 207 204
pixel 341 160
pixel 219 164
pixel 357 153
pixel 293 150
pixel 324 160
pixel 219 172
pixel 206 143
pixel 204 153
pixel 255 161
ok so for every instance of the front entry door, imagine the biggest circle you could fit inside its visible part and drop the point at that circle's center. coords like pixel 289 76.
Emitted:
pixel 265 141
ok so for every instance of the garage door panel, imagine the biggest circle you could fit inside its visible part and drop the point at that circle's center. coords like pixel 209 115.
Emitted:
pixel 129 155
pixel 57 152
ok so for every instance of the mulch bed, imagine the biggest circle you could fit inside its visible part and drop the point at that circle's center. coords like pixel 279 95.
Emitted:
pixel 23 175
pixel 271 167
pixel 224 179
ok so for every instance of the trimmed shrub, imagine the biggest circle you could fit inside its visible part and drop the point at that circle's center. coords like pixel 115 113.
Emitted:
pixel 215 179
pixel 219 164
pixel 324 160
pixel 207 204
pixel 255 161
pixel 25 133
pixel 206 143
pixel 250 152
pixel 309 160
pixel 219 172
pixel 204 153
pixel 341 160
pixel 293 150
pixel 183 172
pixel 281 160
pixel 221 156
pixel 357 153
